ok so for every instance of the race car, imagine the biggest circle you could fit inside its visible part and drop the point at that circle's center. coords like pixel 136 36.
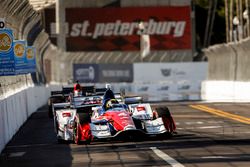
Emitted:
pixel 56 97
pixel 85 119
pixel 61 96
pixel 131 121
pixel 71 119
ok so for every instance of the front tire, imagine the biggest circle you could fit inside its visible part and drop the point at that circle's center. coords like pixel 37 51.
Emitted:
pixel 167 119
pixel 77 134
pixel 83 119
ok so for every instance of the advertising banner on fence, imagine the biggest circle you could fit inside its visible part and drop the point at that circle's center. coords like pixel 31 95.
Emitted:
pixel 103 72
pixel 31 59
pixel 86 72
pixel 20 57
pixel 169 72
pixel 169 81
pixel 7 62
pixel 117 29
pixel 116 73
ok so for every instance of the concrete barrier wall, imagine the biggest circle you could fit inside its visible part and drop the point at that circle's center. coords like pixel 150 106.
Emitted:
pixel 229 61
pixel 15 110
pixel 225 91
pixel 18 96
pixel 221 64
pixel 228 72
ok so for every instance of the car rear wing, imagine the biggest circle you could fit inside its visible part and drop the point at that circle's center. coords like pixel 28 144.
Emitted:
pixel 100 91
pixel 133 99
pixel 85 90
pixel 67 90
pixel 86 101
pixel 58 92
pixel 58 106
pixel 88 89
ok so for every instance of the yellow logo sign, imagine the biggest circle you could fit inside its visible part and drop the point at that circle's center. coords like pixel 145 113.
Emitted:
pixel 19 50
pixel 5 42
pixel 30 53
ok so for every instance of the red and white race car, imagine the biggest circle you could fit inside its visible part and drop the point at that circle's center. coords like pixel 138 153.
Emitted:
pixel 84 119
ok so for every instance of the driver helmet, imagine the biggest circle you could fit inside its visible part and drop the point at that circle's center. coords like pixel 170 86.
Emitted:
pixel 110 103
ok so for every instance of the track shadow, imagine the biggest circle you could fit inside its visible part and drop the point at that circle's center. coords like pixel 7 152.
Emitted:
pixel 35 144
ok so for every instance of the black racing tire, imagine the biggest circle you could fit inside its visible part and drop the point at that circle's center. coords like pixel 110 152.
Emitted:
pixel 50 113
pixel 61 141
pixel 76 136
pixel 138 123
pixel 84 118
pixel 87 142
pixel 163 112
pixel 51 101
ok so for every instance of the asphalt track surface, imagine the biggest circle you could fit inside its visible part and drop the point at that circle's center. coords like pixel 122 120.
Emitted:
pixel 208 134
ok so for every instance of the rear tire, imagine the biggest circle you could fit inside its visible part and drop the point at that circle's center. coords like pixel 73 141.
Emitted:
pixel 53 100
pixel 84 118
pixel 60 141
pixel 50 114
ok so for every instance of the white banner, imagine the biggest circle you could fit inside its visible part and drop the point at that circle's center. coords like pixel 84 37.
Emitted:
pixel 169 81
pixel 169 72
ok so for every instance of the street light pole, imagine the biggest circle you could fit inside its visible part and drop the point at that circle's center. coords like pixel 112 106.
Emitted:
pixel 231 15
pixel 60 25
pixel 247 18
pixel 226 17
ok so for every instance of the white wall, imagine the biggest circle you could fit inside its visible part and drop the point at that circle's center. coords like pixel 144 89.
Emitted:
pixel 225 91
pixel 15 109
pixel 169 81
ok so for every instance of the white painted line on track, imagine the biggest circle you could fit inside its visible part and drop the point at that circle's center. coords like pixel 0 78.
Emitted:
pixel 177 123
pixel 17 154
pixel 171 161
pixel 232 133
pixel 215 122
pixel 216 157
pixel 201 127
pixel 209 127
pixel 227 157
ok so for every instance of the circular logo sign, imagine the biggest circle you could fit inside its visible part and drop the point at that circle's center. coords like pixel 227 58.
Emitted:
pixel 30 53
pixel 5 42
pixel 19 50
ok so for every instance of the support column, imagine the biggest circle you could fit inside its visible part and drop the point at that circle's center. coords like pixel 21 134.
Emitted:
pixel 60 25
